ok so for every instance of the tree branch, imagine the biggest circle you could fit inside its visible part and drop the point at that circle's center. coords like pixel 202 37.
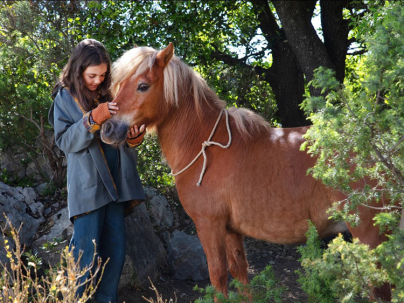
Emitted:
pixel 359 52
pixel 227 59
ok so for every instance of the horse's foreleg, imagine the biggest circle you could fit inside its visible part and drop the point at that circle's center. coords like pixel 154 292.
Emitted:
pixel 236 258
pixel 212 236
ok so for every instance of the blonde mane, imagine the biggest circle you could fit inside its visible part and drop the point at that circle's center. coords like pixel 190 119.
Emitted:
pixel 179 81
pixel 178 77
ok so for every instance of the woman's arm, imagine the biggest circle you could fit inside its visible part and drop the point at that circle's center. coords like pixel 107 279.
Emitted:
pixel 70 135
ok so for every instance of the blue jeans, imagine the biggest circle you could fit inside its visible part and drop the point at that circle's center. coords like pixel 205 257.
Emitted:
pixel 106 226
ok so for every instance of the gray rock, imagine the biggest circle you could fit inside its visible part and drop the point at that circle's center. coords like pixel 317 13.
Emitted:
pixel 62 231
pixel 146 255
pixel 158 208
pixel 13 203
pixel 28 193
pixel 145 252
pixel 12 161
pixel 186 257
pixel 41 187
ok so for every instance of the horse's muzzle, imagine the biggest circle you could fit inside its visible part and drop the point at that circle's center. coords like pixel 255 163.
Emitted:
pixel 113 132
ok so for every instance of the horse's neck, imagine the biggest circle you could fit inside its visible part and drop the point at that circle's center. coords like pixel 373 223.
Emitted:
pixel 182 135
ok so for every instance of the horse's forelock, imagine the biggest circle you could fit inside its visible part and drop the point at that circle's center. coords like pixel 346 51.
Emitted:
pixel 129 63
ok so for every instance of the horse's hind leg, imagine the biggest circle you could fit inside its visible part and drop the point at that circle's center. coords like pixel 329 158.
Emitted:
pixel 236 258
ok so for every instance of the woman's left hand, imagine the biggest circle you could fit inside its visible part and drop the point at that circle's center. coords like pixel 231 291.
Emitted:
pixel 134 131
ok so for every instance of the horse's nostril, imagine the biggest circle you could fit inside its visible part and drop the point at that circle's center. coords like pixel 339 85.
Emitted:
pixel 108 128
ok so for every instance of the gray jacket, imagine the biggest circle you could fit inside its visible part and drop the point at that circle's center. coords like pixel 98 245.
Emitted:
pixel 89 182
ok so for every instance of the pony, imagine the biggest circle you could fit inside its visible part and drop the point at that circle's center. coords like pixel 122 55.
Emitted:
pixel 235 175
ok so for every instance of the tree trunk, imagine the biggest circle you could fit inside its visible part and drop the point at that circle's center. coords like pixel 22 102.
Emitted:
pixel 287 85
pixel 285 75
pixel 310 51
pixel 335 32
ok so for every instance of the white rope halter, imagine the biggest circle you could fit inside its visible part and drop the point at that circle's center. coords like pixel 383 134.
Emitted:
pixel 205 145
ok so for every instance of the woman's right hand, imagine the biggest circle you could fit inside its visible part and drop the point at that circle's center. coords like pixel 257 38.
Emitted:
pixel 113 108
pixel 103 112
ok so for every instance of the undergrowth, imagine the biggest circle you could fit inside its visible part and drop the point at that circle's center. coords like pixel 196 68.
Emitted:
pixel 20 282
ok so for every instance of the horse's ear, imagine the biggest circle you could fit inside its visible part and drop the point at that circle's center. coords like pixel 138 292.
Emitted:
pixel 164 56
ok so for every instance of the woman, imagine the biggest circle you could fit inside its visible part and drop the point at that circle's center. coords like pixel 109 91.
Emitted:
pixel 102 182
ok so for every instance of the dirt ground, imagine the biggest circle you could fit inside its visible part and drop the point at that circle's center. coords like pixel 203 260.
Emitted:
pixel 283 259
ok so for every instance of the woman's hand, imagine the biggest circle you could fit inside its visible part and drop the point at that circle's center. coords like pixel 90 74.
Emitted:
pixel 113 108
pixel 134 131
pixel 103 112
pixel 135 135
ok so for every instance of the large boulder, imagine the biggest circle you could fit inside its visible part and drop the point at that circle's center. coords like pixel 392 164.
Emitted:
pixel 158 208
pixel 22 210
pixel 50 244
pixel 146 254
pixel 186 257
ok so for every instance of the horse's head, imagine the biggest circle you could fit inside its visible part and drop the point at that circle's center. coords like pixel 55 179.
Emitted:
pixel 138 86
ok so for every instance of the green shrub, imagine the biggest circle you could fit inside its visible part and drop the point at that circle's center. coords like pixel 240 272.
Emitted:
pixel 357 138
pixel 346 272
pixel 391 257
pixel 263 288
pixel 152 168
pixel 313 282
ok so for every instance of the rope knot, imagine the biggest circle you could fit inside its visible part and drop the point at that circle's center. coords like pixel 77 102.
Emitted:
pixel 208 143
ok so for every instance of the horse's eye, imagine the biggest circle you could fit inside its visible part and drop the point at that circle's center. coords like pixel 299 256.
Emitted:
pixel 143 87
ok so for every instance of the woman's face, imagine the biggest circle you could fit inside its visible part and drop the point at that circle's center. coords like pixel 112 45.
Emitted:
pixel 93 75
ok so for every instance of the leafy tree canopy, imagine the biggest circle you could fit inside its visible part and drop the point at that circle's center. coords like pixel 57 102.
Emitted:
pixel 257 54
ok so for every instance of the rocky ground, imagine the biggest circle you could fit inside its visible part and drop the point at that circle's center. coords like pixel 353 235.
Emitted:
pixel 283 259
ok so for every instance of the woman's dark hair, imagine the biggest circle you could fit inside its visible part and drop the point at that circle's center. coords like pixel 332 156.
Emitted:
pixel 87 53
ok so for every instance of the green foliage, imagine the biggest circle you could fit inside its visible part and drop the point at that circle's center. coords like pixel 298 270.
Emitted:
pixel 151 167
pixel 358 128
pixel 357 137
pixel 8 179
pixel 27 72
pixel 347 272
pixel 5 176
pixel 263 288
pixel 313 281
pixel 50 246
pixel 353 268
pixel 391 256
pixel 33 260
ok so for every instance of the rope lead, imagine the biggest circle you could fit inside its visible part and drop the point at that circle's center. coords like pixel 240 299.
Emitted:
pixel 206 144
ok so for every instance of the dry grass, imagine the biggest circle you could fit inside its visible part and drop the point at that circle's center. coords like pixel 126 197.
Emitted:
pixel 21 283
